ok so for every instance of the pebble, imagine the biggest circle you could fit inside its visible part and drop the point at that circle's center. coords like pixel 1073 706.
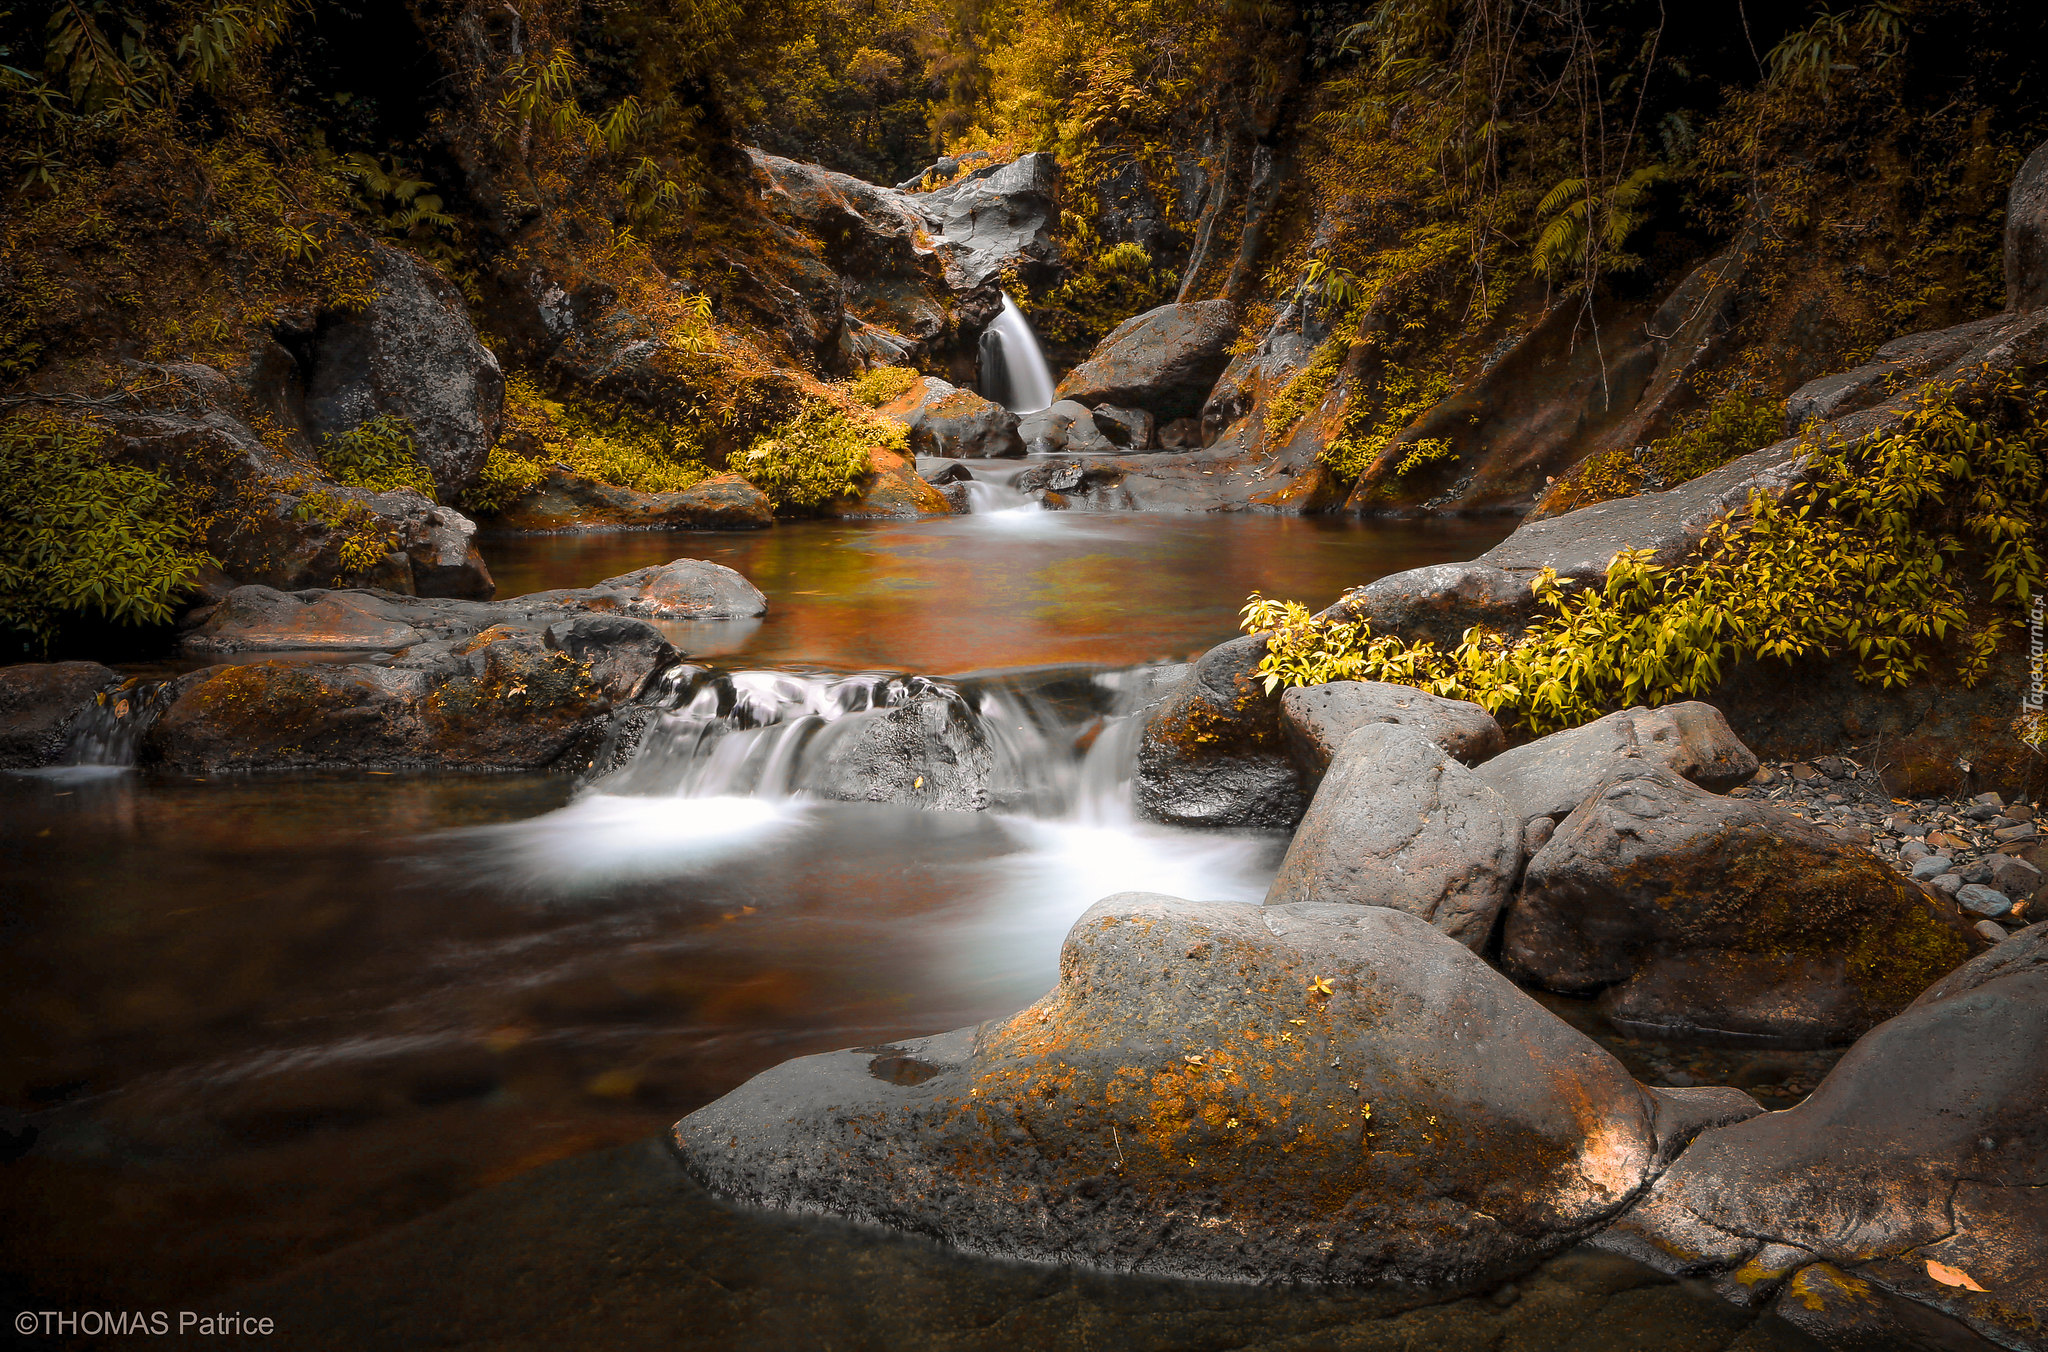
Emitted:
pixel 1978 899
pixel 2023 831
pixel 1913 851
pixel 1931 866
pixel 1804 773
pixel 1948 884
pixel 2014 877
pixel 1992 930
pixel 2020 813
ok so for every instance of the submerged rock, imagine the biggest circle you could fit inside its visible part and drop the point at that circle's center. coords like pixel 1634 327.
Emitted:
pixel 1164 360
pixel 1319 718
pixel 1221 1090
pixel 1901 1203
pixel 1701 916
pixel 1398 823
pixel 39 701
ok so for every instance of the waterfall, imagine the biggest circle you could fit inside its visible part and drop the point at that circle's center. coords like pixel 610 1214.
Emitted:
pixel 105 734
pixel 1013 370
pixel 1059 744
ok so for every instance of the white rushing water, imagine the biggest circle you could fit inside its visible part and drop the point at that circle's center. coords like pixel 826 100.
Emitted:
pixel 1013 370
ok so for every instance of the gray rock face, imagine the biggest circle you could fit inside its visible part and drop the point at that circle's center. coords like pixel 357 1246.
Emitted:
pixel 1720 918
pixel 1397 823
pixel 684 589
pixel 624 654
pixel 569 502
pixel 1164 360
pixel 2026 235
pixel 1045 431
pixel 38 703
pixel 952 423
pixel 1899 363
pixel 1213 752
pixel 1129 428
pixel 996 217
pixel 1440 602
pixel 928 752
pixel 1084 437
pixel 412 354
pixel 1218 1090
pixel 1319 718
pixel 1551 775
pixel 1899 1204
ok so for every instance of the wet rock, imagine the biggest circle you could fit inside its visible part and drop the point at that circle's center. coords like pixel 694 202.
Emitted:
pixel 893 493
pixel 684 589
pixel 1398 823
pixel 1164 360
pixel 1900 1203
pixel 1551 775
pixel 623 654
pixel 1045 431
pixel 411 353
pixel 1319 718
pixel 263 619
pixel 1701 916
pixel 952 423
pixel 1977 899
pixel 1083 437
pixel 1128 428
pixel 2026 235
pixel 497 701
pixel 928 752
pixel 949 475
pixel 38 703
pixel 1214 752
pixel 1050 476
pixel 570 502
pixel 1190 1102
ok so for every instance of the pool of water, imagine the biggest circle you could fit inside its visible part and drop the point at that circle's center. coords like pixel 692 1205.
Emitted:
pixel 246 1021
pixel 1003 589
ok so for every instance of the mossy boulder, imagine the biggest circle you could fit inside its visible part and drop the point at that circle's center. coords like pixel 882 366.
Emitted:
pixel 1714 918
pixel 1215 753
pixel 1220 1090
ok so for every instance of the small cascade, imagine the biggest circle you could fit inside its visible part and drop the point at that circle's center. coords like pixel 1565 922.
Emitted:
pixel 106 734
pixel 1013 370
pixel 1062 743
pixel 985 496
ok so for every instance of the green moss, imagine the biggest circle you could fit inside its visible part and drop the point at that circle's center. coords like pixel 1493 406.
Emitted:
pixel 884 383
pixel 818 455
pixel 83 536
pixel 1306 390
pixel 615 446
pixel 360 537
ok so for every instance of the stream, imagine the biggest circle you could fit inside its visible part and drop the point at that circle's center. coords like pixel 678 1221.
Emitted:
pixel 252 1019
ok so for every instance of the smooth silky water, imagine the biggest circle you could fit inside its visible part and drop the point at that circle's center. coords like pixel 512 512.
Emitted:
pixel 252 1019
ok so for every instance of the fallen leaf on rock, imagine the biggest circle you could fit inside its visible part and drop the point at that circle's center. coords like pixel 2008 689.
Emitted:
pixel 1950 1276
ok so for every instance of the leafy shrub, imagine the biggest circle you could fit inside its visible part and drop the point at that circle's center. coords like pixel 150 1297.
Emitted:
pixel 1428 451
pixel 1861 564
pixel 1732 426
pixel 1112 283
pixel 818 455
pixel 506 477
pixel 621 447
pixel 82 536
pixel 1306 390
pixel 378 454
pixel 362 539
pixel 877 387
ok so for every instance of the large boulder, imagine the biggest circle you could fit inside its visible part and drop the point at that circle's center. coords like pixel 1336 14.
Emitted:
pixel 955 424
pixel 1398 823
pixel 1552 775
pixel 1901 1203
pixel 1220 1090
pixel 1319 718
pixel 1723 918
pixel 928 751
pixel 997 217
pixel 623 654
pixel 413 354
pixel 1163 361
pixel 893 491
pixel 39 704
pixel 684 589
pixel 1045 431
pixel 2026 235
pixel 1213 752
pixel 501 700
